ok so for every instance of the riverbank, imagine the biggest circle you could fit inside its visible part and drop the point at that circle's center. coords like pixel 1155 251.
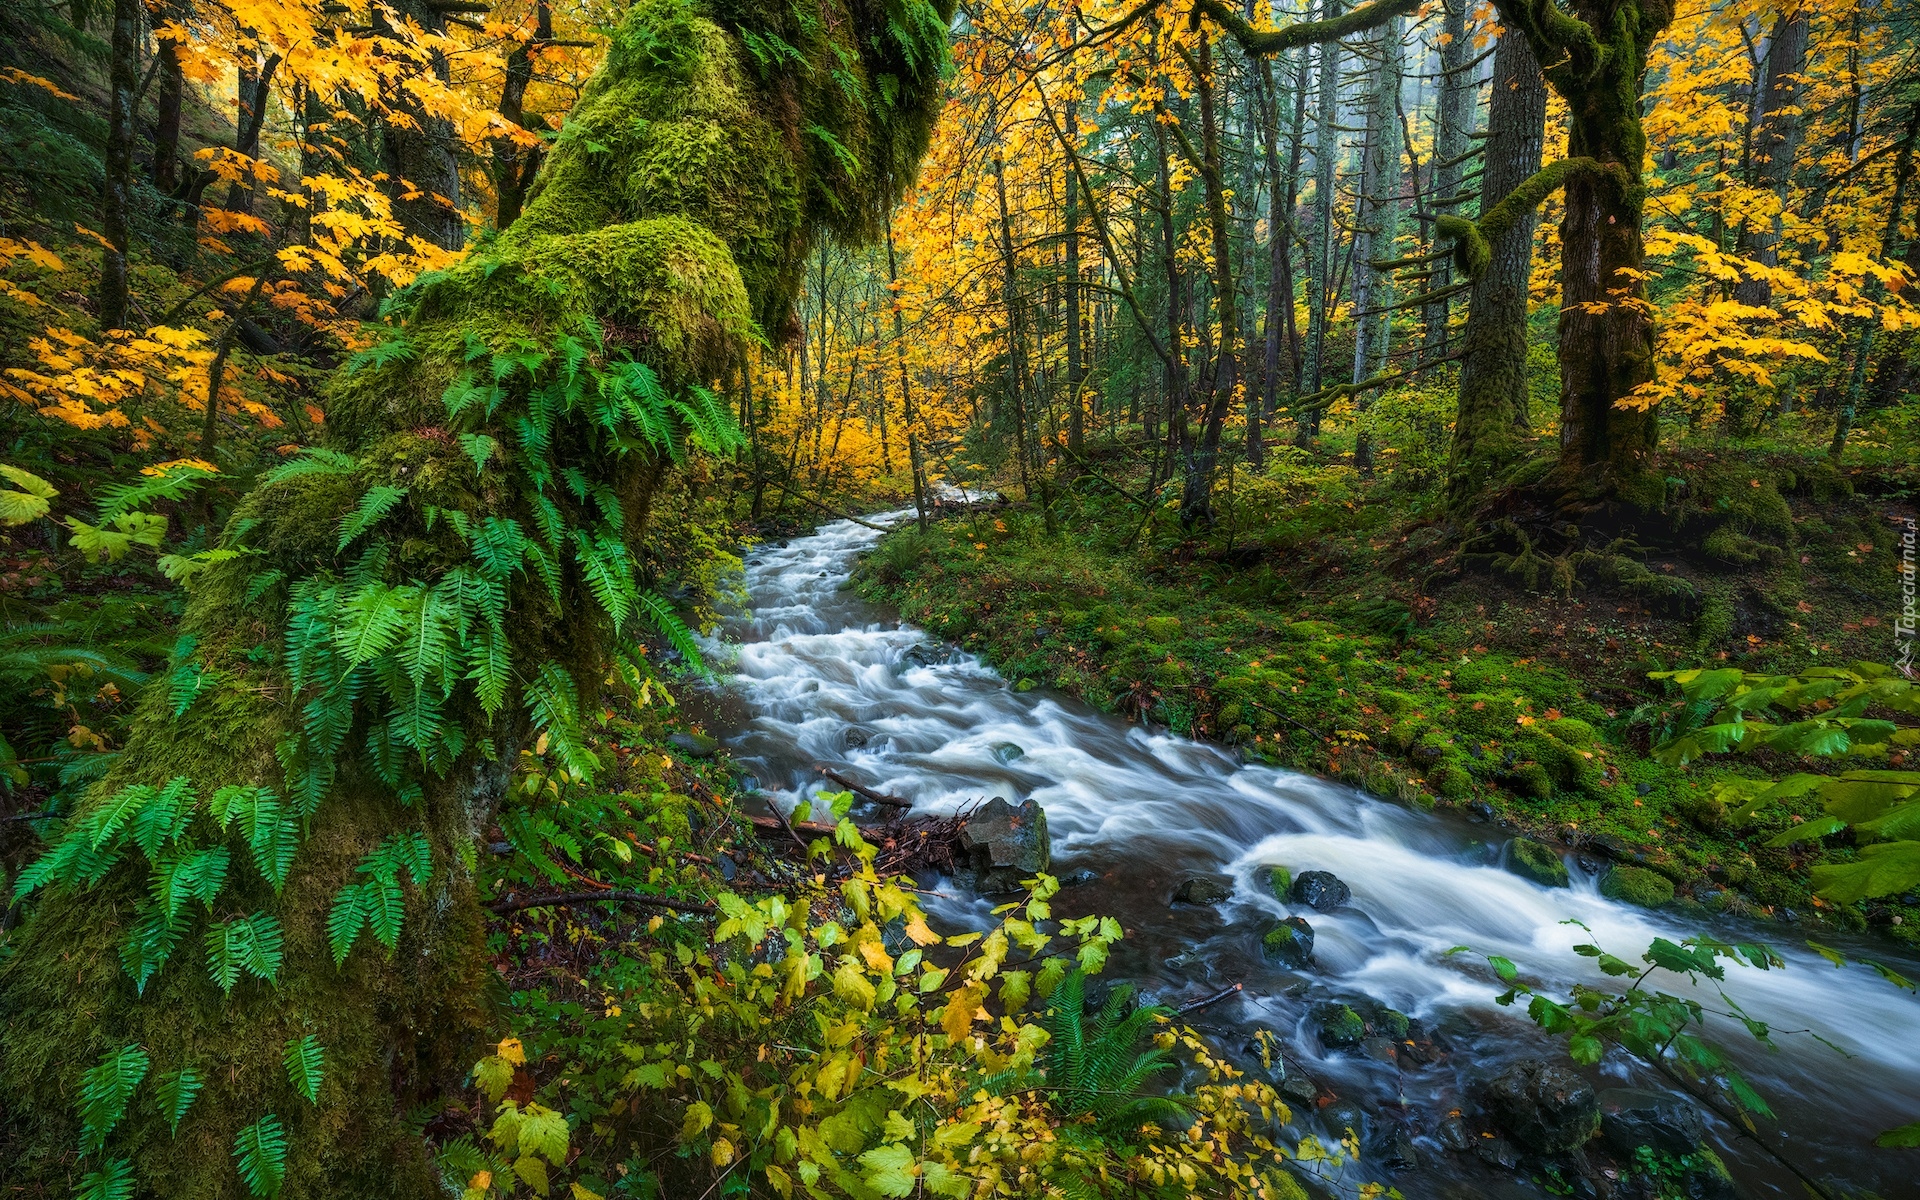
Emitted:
pixel 1309 632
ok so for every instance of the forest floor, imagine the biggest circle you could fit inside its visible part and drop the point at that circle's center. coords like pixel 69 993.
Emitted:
pixel 1326 624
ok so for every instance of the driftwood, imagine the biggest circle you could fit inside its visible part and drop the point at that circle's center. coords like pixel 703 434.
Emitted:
pixel 865 793
pixel 1207 1001
pixel 906 845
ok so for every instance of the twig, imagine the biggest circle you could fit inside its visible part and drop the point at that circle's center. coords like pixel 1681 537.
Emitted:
pixel 864 792
pixel 1206 1001
pixel 29 816
pixel 1289 720
pixel 832 512
pixel 617 895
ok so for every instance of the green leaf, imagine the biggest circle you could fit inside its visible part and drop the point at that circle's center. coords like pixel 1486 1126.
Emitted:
pixel 1892 976
pixel 1503 967
pixel 1883 870
pixel 260 1153
pixel 113 1181
pixel 374 505
pixel 1829 953
pixel 1906 1137
pixel 480 448
pixel 28 504
pixel 543 1132
pixel 245 945
pixel 1819 827
pixel 175 1094
pixel 314 460
pixel 348 917
pixel 306 1065
pixel 105 1090
pixel 889 1170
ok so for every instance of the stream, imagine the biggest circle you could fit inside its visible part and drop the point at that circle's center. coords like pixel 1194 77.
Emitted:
pixel 823 677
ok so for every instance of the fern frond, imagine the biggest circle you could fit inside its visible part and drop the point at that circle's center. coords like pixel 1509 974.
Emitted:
pixel 314 460
pixel 377 503
pixel 175 1095
pixel 105 1090
pixel 260 1154
pixel 554 704
pixel 668 625
pixel 306 1064
pixel 347 918
pixel 113 1181
pixel 151 940
pixel 245 945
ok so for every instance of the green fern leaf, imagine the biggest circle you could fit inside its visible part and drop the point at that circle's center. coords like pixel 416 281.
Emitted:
pixel 668 624
pixel 113 1181
pixel 554 705
pixel 499 546
pixel 377 503
pixel 480 448
pixel 250 945
pixel 608 572
pixel 375 617
pixel 105 1090
pixel 489 666
pixel 190 875
pixel 348 917
pixel 151 940
pixel 386 908
pixel 314 460
pixel 164 819
pixel 260 1153
pixel 306 1064
pixel 176 1093
pixel 273 835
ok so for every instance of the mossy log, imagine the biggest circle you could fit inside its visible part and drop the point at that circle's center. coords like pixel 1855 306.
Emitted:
pixel 667 229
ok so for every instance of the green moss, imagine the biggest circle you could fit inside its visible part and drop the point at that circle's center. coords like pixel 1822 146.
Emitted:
pixel 1280 883
pixel 1161 629
pixel 1536 861
pixel 1636 885
pixel 1451 780
pixel 1573 732
pixel 1339 1025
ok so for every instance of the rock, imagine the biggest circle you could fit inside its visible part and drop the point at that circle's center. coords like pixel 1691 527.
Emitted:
pixel 856 736
pixel 728 868
pixel 1704 1177
pixel 1395 1150
pixel 1544 1108
pixel 1079 878
pixel 1263 1049
pixel 1393 1024
pixel 1636 885
pixel 1631 1118
pixel 1321 891
pixel 1497 1152
pixel 1289 943
pixel 1338 1025
pixel 1279 882
pixel 1204 889
pixel 1006 752
pixel 1536 861
pixel 1004 844
pixel 1344 1115
pixel 1379 1049
pixel 693 745
pixel 1452 1133
pixel 1300 1090
pixel 1184 963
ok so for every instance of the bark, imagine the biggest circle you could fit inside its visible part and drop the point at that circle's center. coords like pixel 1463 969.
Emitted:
pixel 1016 337
pixel 906 392
pixel 1377 218
pixel 679 286
pixel 116 209
pixel 1196 501
pixel 1890 246
pixel 1321 234
pixel 255 90
pixel 419 156
pixel 1076 368
pixel 516 165
pixel 1776 142
pixel 1453 127
pixel 1492 407
pixel 169 93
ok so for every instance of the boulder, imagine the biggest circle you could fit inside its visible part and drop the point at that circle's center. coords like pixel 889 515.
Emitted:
pixel 1004 844
pixel 1544 1108
pixel 1379 1049
pixel 1204 889
pixel 693 745
pixel 1279 882
pixel 1338 1025
pixel 1321 891
pixel 1006 752
pixel 1631 1118
pixel 1289 943
pixel 1299 1090
pixel 1394 1149
pixel 1637 885
pixel 1452 1133
pixel 1343 1116
pixel 1536 861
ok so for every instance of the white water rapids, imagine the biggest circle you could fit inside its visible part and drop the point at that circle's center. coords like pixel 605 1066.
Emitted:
pixel 1138 811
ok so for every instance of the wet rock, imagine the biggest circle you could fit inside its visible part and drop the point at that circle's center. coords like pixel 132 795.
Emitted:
pixel 1704 1177
pixel 1379 1049
pixel 1263 1051
pixel 1537 861
pixel 1338 1025
pixel 1344 1115
pixel 1321 891
pixel 1300 1090
pixel 855 736
pixel 1185 963
pixel 693 745
pixel 728 868
pixel 1480 810
pixel 1006 752
pixel 1289 943
pixel 1079 878
pixel 1390 1023
pixel 1279 881
pixel 1395 1150
pixel 1631 1118
pixel 1497 1152
pixel 1005 844
pixel 1544 1108
pixel 1452 1133
pixel 1204 889
pixel 1636 885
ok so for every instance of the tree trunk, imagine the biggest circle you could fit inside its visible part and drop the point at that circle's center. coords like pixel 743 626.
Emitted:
pixel 116 209
pixel 1196 501
pixel 170 90
pixel 906 391
pixel 1076 368
pixel 1493 373
pixel 1016 339
pixel 1377 221
pixel 419 156
pixel 1452 140
pixel 369 760
pixel 514 165
pixel 255 90
pixel 1890 242
pixel 1776 142
pixel 1322 236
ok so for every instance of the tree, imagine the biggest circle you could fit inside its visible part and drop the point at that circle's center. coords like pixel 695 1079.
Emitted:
pixel 350 694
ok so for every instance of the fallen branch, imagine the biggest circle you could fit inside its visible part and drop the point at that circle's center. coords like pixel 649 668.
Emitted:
pixel 865 793
pixel 832 512
pixel 611 895
pixel 1207 1001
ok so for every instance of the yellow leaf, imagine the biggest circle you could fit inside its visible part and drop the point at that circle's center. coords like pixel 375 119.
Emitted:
pixel 511 1050
pixel 961 1011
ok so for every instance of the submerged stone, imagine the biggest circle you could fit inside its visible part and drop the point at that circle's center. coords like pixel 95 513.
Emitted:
pixel 1339 1026
pixel 1544 1108
pixel 1632 1117
pixel 1204 889
pixel 1006 752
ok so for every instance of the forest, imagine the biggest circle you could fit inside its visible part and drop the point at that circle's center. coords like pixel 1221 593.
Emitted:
pixel 960 598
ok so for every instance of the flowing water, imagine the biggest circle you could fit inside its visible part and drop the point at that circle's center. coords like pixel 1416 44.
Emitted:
pixel 825 678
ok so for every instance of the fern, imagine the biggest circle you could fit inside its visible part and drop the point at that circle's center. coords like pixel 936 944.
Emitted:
pixel 608 572
pixel 175 1095
pixel 1094 1062
pixel 260 1153
pixel 105 1090
pixel 314 460
pixel 113 1181
pixel 554 705
pixel 480 448
pixel 189 875
pixel 668 625
pixel 245 945
pixel 377 900
pixel 394 349
pixel 171 482
pixel 151 940
pixel 306 1065
pixel 377 503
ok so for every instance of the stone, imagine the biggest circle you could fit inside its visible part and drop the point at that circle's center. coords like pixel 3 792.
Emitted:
pixel 1395 1150
pixel 1537 861
pixel 1321 891
pixel 1004 844
pixel 856 737
pixel 1631 1118
pixel 1204 889
pixel 1497 1152
pixel 1006 752
pixel 1289 943
pixel 1379 1049
pixel 1637 885
pixel 1344 1115
pixel 1080 878
pixel 1544 1108
pixel 693 745
pixel 1393 1024
pixel 1279 882
pixel 1300 1090
pixel 1339 1026
pixel 1452 1134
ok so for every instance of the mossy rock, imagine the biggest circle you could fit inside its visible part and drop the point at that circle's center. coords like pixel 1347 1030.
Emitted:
pixel 1451 780
pixel 1280 882
pixel 1571 730
pixel 1531 779
pixel 1289 943
pixel 1161 629
pixel 1537 861
pixel 1392 1023
pixel 1637 885
pixel 1339 1026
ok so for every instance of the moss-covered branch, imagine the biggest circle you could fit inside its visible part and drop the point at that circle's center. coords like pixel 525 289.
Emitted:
pixel 1267 42
pixel 1473 240
pixel 1563 43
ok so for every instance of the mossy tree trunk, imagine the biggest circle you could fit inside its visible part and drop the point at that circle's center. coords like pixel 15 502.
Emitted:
pixel 454 571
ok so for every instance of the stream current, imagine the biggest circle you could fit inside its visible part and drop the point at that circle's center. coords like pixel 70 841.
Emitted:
pixel 822 677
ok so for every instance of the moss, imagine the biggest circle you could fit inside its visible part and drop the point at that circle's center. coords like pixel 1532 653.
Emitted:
pixel 1536 861
pixel 1637 885
pixel 1339 1025
pixel 1531 779
pixel 1280 883
pixel 1451 780
pixel 1572 731
pixel 1393 1024
pixel 1161 629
